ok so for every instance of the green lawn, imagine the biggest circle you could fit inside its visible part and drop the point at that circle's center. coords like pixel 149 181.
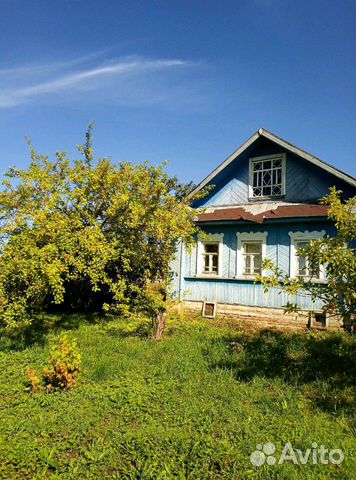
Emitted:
pixel 191 407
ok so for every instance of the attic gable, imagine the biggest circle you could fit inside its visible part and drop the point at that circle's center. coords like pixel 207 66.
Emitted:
pixel 280 145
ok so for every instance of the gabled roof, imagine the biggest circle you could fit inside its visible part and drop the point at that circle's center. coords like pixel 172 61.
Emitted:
pixel 286 145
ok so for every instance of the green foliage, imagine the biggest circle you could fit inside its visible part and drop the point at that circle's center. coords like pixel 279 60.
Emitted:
pixel 87 232
pixel 62 371
pixel 336 253
pixel 192 407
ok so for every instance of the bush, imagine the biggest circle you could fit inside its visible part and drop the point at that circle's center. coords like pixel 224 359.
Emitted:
pixel 62 371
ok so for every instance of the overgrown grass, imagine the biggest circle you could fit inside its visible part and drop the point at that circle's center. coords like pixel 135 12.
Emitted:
pixel 191 407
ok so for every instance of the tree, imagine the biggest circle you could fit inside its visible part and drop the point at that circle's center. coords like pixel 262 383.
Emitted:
pixel 337 254
pixel 87 228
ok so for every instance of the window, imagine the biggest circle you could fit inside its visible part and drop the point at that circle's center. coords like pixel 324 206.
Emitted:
pixel 267 176
pixel 251 250
pixel 209 254
pixel 210 257
pixel 299 265
pixel 209 309
pixel 252 253
pixel 303 267
pixel 319 320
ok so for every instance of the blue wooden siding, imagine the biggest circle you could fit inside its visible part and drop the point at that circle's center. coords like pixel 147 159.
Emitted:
pixel 227 289
pixel 242 293
pixel 175 271
pixel 304 181
pixel 277 243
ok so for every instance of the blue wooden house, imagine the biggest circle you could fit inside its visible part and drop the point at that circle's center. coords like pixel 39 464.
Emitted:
pixel 264 204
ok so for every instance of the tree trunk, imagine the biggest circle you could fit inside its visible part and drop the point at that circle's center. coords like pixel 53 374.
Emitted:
pixel 347 323
pixel 160 322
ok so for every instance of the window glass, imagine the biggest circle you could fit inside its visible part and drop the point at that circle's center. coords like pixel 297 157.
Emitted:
pixel 211 248
pixel 267 178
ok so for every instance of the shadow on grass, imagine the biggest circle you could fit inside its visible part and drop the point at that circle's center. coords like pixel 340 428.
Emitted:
pixel 44 324
pixel 130 327
pixel 323 365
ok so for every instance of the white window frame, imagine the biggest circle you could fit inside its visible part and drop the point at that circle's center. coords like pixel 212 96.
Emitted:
pixel 205 303
pixel 314 323
pixel 243 237
pixel 305 236
pixel 212 238
pixel 280 156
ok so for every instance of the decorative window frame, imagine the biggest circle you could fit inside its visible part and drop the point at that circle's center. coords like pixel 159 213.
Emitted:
pixel 246 237
pixel 209 238
pixel 278 156
pixel 305 236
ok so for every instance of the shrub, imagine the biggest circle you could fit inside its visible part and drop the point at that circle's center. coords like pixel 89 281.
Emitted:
pixel 35 381
pixel 62 371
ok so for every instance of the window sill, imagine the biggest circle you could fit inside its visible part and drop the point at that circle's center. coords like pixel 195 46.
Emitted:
pixel 243 278
pixel 246 277
pixel 321 281
pixel 272 198
pixel 205 275
pixel 220 278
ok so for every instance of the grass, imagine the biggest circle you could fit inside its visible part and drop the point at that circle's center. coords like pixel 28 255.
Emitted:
pixel 191 407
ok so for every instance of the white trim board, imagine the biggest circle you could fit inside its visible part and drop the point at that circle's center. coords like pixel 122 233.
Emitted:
pixel 284 144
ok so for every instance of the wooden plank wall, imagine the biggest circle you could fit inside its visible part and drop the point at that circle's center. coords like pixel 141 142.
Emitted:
pixel 227 289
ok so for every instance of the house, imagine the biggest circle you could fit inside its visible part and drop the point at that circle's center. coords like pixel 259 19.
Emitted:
pixel 264 204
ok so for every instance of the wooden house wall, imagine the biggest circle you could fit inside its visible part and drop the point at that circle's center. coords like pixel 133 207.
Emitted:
pixel 305 183
pixel 227 289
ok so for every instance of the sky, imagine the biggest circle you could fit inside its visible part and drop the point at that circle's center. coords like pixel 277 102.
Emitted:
pixel 184 81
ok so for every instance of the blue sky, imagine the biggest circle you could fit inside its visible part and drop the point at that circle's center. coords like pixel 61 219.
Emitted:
pixel 185 81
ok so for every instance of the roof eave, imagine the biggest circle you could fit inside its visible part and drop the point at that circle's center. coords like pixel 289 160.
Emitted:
pixel 309 157
pixel 266 221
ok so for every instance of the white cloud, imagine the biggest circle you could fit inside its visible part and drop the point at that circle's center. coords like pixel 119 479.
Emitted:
pixel 17 72
pixel 85 79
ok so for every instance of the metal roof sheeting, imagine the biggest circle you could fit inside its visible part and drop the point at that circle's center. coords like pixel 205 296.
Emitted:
pixel 285 211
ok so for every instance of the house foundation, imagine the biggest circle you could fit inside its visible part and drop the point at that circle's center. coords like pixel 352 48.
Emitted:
pixel 265 317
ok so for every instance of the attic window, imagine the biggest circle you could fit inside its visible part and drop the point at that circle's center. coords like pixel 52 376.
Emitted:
pixel 267 176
